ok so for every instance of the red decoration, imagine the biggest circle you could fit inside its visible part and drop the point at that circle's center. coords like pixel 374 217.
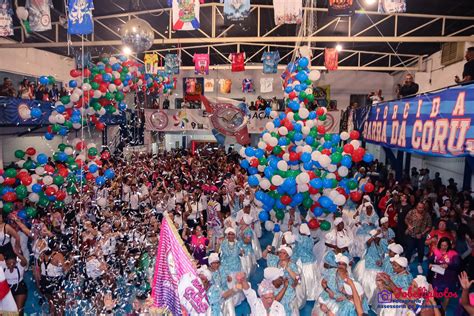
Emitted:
pixel 285 199
pixel 356 196
pixel 354 135
pixel 30 151
pixel 369 187
pixel 313 223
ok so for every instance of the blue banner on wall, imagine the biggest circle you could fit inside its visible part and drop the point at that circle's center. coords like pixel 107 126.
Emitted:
pixel 435 124
pixel 11 110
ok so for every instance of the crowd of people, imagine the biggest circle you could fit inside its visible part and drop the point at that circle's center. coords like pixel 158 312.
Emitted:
pixel 98 254
pixel 30 90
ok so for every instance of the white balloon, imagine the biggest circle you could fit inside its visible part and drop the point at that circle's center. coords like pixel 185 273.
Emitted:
pixel 332 194
pixel 307 149
pixel 331 176
pixel 286 157
pixel 261 145
pixel 68 199
pixel 52 119
pixel 324 161
pixel 343 171
pixel 86 87
pixel 339 200
pixel 112 87
pixel 282 165
pixel 261 168
pixel 39 171
pixel 22 13
pixel 305 130
pixel 48 180
pixel 314 75
pixel 60 119
pixel 269 225
pixel 20 163
pixel 269 126
pixel 303 187
pixel 355 143
pixel 277 180
pixel 75 97
pixel 90 145
pixel 25 112
pixel 68 151
pixel 265 184
pixel 345 136
pixel 315 155
pixel 101 111
pixel 273 141
pixel 273 114
pixel 290 116
pixel 76 125
pixel 77 91
pixel 283 131
pixel 303 112
pixel 304 177
pixel 305 51
pixel 35 178
pixel 116 74
pixel 309 123
pixel 332 168
pixel 33 197
pixel 81 157
pixel 113 60
pixel 102 202
pixel 97 94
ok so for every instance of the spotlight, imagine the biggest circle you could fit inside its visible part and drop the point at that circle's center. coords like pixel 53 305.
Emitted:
pixel 370 2
pixel 338 47
pixel 126 50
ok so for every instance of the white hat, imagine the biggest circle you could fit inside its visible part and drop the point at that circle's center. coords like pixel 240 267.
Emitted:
pixel 373 232
pixel 396 248
pixel 287 250
pixel 402 261
pixel 367 204
pixel 366 197
pixel 329 239
pixel 289 238
pixel 343 242
pixel 229 230
pixel 422 282
pixel 213 257
pixel 383 220
pixel 205 272
pixel 337 221
pixel 358 287
pixel 272 273
pixel 266 287
pixel 247 219
pixel 341 258
pixel 304 229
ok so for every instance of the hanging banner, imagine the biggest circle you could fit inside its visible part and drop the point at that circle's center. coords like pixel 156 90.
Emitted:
pixel 79 18
pixel 332 122
pixel 331 58
pixel 6 20
pixel 193 88
pixel 435 124
pixel 322 95
pixel 208 85
pixel 176 283
pixel 39 14
pixel 172 62
pixel 185 15
pixel 341 7
pixel 236 10
pixel 201 64
pixel 270 62
pixel 288 11
pixel 392 6
pixel 192 119
pixel 151 64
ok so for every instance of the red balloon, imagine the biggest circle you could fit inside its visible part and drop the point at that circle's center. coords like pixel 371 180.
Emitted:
pixel 293 156
pixel 320 111
pixel 356 196
pixel 354 134
pixel 98 78
pixel 289 126
pixel 254 162
pixel 30 151
pixel 80 145
pixel 341 191
pixel 50 191
pixel 105 155
pixel 326 152
pixel 79 162
pixel 60 195
pixel 108 70
pixel 368 187
pixel 311 175
pixel 292 95
pixel 312 190
pixel 75 73
pixel 356 157
pixel 285 200
pixel 100 126
pixel 21 174
pixel 313 223
pixel 9 196
pixel 26 180
pixel 348 148
pixel 49 169
pixel 9 181
pixel 87 72
pixel 63 172
pixel 103 87
pixel 89 176
pixel 321 129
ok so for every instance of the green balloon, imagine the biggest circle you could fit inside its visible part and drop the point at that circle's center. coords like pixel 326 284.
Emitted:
pixel 274 134
pixel 7 207
pixel 43 201
pixel 65 99
pixel 29 164
pixel 333 183
pixel 94 85
pixel 336 158
pixel 96 106
pixel 19 153
pixel 111 109
pixel 51 80
pixel 325 225
pixel 277 150
pixel 59 204
pixel 310 97
pixel 71 189
pixel 68 124
pixel 70 160
pixel 73 166
pixel 291 134
pixel 119 96
pixel 10 173
pixel 322 117
pixel 124 70
pixel 109 96
pixel 327 137
pixel 62 146
pixel 31 212
pixel 21 192
pixel 58 180
pixel 56 128
pixel 105 60
pixel 297 117
pixel 280 214
pixel 92 151
pixel 313 132
pixel 352 184
pixel 307 203
pixel 302 95
pixel 262 161
pixel 309 82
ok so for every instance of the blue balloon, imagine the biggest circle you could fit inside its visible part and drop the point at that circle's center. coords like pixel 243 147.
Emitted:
pixel 298 88
pixel 318 211
pixel 305 157
pixel 42 159
pixel 281 189
pixel 309 140
pixel 279 205
pixel 49 136
pixel 303 62
pixel 52 198
pixel 62 156
pixel 253 181
pixel 263 216
pixel 44 80
pixel 259 195
pixel 308 165
pixel 325 202
pixel 316 183
pixel 368 157
pixel 122 106
pixel 115 66
pixel 244 164
pixel 336 138
pixel 297 126
pixel 268 172
pixel 109 173
pixel 346 161
pixel 298 137
pixel 277 122
pixel 72 83
pixel 259 153
pixel 93 168
pixel 283 141
pixel 75 119
pixel 22 214
pixel 327 183
pixel 293 105
pixel 36 188
pixel 332 208
pixel 249 152
pixel 298 198
pixel 288 89
pixel 282 115
pixel 107 77
pixel 327 145
pixel 268 111
pixel 304 86
pixel 276 228
pixel 36 113
pixel 60 109
pixel 312 115
pixel 100 181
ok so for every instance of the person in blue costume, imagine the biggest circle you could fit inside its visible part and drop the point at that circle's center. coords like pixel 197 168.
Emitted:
pixel 341 247
pixel 283 261
pixel 219 280
pixel 387 234
pixel 248 259
pixel 366 220
pixel 367 269
pixel 393 250
pixel 304 257
pixel 355 302
pixel 230 252
pixel 388 284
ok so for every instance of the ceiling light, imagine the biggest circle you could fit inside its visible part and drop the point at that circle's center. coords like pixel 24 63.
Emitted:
pixel 370 2
pixel 126 50
pixel 339 47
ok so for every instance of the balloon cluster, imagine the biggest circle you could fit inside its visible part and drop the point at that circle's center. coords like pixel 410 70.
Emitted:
pixel 39 180
pixel 96 91
pixel 298 163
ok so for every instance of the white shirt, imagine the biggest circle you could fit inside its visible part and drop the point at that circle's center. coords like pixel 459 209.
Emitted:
pixel 16 276
pixel 257 307
pixel 125 193
pixel 134 201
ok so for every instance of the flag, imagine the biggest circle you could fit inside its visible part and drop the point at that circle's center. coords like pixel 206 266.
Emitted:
pixel 330 58
pixel 79 17
pixel 151 64
pixel 6 20
pixel 236 10
pixel 176 284
pixel 341 7
pixel 39 14
pixel 392 6
pixel 185 15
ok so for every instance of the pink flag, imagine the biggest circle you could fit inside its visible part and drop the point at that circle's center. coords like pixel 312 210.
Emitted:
pixel 176 285
pixel 330 58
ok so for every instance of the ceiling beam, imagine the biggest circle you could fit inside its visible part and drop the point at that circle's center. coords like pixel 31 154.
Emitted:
pixel 275 39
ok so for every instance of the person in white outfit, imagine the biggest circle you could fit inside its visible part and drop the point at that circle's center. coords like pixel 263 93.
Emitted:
pixel 7 303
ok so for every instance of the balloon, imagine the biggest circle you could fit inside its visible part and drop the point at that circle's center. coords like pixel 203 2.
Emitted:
pixel 276 228
pixel 325 225
pixel 368 187
pixel 100 181
pixel 269 225
pixel 263 216
pixel 356 196
pixel 19 154
pixel 354 135
pixel 44 80
pixel 313 224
